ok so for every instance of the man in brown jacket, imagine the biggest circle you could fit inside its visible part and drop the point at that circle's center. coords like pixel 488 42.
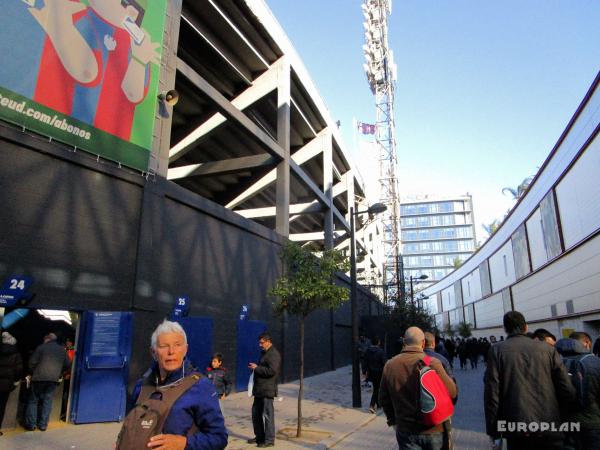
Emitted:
pixel 399 391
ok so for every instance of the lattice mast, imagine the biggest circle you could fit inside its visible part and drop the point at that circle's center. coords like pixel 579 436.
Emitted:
pixel 381 74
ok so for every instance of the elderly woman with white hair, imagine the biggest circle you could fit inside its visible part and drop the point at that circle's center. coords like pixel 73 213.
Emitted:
pixel 175 407
pixel 11 368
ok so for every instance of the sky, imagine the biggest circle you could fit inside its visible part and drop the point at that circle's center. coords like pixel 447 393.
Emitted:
pixel 484 88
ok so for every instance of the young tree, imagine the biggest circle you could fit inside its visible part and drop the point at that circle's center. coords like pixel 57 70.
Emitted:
pixel 464 329
pixel 308 284
pixel 449 330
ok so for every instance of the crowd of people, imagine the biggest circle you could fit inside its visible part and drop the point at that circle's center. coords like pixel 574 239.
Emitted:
pixel 41 374
pixel 539 392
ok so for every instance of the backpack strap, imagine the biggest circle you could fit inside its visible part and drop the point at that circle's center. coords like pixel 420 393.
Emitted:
pixel 170 394
pixel 427 360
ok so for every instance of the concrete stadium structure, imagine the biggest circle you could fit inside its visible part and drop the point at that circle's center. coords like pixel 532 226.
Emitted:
pixel 544 260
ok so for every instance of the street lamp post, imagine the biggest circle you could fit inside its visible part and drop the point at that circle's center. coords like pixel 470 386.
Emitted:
pixel 412 293
pixel 356 396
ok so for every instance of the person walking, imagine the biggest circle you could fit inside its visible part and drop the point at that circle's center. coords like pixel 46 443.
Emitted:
pixel 451 349
pixel 430 350
pixel 193 418
pixel 584 369
pixel 47 364
pixel 363 344
pixel 266 374
pixel 11 368
pixel 398 395
pixel 462 354
pixel 526 385
pixel 375 360
pixel 473 352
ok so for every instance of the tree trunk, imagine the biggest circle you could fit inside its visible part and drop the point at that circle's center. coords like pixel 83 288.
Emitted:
pixel 301 390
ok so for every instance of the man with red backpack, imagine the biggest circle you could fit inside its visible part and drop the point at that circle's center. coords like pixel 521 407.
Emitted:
pixel 403 385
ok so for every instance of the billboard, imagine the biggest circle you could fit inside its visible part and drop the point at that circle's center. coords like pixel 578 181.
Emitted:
pixel 84 72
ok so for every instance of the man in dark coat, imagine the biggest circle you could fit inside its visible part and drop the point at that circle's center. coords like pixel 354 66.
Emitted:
pixel 584 369
pixel 48 363
pixel 527 389
pixel 266 374
pixel 375 359
pixel 11 368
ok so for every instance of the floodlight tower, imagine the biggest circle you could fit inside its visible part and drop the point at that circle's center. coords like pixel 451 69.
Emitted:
pixel 381 74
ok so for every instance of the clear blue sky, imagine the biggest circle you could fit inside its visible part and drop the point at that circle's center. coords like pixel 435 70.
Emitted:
pixel 484 90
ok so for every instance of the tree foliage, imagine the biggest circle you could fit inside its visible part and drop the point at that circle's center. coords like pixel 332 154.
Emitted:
pixel 464 329
pixel 492 227
pixel 308 283
pixel 405 315
pixel 520 190
pixel 449 330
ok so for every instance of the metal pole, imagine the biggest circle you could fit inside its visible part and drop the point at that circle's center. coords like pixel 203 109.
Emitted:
pixel 412 294
pixel 356 395
pixel 398 291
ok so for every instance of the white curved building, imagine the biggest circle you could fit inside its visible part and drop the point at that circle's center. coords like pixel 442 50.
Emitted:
pixel 544 260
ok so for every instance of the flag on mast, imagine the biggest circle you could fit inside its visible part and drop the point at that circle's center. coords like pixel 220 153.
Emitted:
pixel 366 128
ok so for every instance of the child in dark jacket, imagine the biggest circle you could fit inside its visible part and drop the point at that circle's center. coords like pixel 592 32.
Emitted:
pixel 219 376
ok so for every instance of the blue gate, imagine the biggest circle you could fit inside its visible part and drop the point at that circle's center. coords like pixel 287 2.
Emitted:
pixel 199 331
pixel 102 366
pixel 247 350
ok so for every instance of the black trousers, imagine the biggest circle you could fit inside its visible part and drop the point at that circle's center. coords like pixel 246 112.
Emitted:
pixel 376 380
pixel 263 420
pixel 535 443
pixel 3 400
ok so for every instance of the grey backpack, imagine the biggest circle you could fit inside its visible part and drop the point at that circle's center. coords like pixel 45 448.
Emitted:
pixel 150 412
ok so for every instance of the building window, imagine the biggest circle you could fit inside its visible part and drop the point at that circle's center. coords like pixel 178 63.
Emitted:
pixel 520 252
pixel 550 226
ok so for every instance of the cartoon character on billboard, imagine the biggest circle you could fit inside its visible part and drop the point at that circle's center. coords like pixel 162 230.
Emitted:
pixel 95 62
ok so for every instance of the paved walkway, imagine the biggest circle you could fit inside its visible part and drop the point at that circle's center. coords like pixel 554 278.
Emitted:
pixel 326 409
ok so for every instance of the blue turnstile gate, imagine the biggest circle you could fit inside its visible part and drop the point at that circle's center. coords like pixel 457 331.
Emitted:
pixel 102 364
pixel 199 332
pixel 247 350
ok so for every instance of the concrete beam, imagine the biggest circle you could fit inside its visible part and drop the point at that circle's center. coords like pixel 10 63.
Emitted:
pixel 230 111
pixel 307 237
pixel 269 211
pixel 262 86
pixel 226 166
pixel 309 151
pixel 282 183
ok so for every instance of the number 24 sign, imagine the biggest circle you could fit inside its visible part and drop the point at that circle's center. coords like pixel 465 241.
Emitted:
pixel 13 289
